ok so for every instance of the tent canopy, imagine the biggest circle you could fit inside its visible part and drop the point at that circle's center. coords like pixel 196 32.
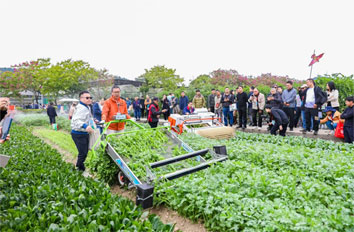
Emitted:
pixel 68 100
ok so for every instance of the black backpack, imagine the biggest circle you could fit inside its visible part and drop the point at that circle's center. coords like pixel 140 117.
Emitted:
pixel 323 95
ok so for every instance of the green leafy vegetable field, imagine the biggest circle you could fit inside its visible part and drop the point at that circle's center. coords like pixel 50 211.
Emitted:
pixel 269 184
pixel 40 192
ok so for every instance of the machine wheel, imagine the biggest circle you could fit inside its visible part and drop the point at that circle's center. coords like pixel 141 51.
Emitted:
pixel 122 179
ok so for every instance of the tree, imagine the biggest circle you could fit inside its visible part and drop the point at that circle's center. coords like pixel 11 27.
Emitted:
pixel 26 76
pixel 68 77
pixel 101 88
pixel 344 84
pixel 161 77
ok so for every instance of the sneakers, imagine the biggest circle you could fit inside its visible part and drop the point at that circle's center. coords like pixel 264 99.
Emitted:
pixel 291 129
pixel 315 133
pixel 303 131
pixel 259 128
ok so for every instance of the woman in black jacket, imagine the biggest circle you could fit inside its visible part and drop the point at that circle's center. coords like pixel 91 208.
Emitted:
pixel 165 106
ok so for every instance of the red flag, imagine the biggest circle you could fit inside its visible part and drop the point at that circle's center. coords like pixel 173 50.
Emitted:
pixel 315 58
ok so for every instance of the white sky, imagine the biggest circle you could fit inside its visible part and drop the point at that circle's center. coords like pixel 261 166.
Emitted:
pixel 194 37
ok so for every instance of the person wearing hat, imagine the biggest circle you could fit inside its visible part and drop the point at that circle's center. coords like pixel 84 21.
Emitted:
pixel 154 113
pixel 332 118
pixel 280 120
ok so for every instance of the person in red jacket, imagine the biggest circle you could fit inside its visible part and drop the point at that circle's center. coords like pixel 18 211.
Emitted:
pixel 154 113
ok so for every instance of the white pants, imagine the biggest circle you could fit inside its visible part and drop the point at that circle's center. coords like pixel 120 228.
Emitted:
pixel 113 131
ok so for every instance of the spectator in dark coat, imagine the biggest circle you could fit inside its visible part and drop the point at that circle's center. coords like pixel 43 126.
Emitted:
pixel 165 106
pixel 142 106
pixel 137 109
pixel 183 101
pixel 188 109
pixel 348 116
pixel 280 120
pixel 211 101
pixel 97 112
pixel 242 102
pixel 51 113
pixel 274 98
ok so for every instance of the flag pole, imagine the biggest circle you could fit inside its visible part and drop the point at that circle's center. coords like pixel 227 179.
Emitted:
pixel 314 51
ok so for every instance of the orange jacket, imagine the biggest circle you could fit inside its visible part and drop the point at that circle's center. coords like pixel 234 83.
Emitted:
pixel 111 108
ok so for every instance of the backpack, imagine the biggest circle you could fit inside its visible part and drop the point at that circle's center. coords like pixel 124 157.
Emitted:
pixel 324 96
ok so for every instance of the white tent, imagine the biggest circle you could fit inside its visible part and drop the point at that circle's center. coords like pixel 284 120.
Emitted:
pixel 68 100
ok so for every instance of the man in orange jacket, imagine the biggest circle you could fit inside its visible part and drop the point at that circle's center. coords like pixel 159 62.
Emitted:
pixel 113 106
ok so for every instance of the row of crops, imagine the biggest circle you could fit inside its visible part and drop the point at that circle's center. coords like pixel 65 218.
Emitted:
pixel 40 192
pixel 269 183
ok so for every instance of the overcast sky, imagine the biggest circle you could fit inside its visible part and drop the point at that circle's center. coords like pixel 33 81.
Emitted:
pixel 194 37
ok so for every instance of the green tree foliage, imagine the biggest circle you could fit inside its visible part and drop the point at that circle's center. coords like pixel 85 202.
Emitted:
pixel 68 77
pixel 26 76
pixel 161 77
pixel 344 84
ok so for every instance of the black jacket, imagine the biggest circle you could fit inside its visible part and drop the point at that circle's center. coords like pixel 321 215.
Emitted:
pixel 165 104
pixel 3 114
pixel 320 97
pixel 276 102
pixel 242 100
pixel 211 101
pixel 51 111
pixel 302 97
pixel 279 116
pixel 348 115
pixel 227 100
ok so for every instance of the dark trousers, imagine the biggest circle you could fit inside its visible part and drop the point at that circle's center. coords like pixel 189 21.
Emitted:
pixel 297 116
pixel 51 120
pixel 166 114
pixel 311 114
pixel 348 134
pixel 250 114
pixel 82 145
pixel 242 117
pixel 212 109
pixel 153 124
pixel 274 129
pixel 290 113
pixel 254 117
pixel 142 112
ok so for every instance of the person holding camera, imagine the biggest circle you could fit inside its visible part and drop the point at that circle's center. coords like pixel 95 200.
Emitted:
pixel 280 121
pixel 226 100
pixel 4 107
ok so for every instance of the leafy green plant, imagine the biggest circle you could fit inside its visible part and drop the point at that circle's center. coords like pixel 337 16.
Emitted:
pixel 42 120
pixel 39 191
pixel 268 184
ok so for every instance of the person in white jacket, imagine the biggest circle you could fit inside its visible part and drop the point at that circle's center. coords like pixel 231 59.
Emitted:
pixel 332 96
pixel 81 127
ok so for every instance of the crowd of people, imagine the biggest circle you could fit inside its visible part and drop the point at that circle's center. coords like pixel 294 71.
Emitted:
pixel 306 107
pixel 280 108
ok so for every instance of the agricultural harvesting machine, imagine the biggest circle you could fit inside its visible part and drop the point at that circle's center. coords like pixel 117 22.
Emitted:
pixel 145 189
pixel 201 122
